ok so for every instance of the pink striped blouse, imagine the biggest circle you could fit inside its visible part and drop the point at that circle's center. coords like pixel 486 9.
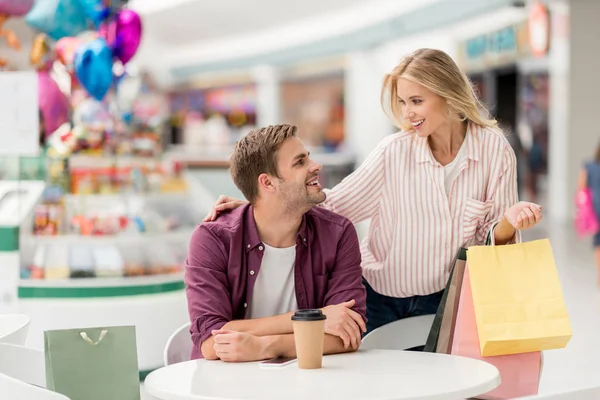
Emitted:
pixel 416 229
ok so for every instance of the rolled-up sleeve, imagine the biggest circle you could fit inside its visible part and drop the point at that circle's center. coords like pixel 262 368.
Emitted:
pixel 207 290
pixel 345 279
pixel 505 195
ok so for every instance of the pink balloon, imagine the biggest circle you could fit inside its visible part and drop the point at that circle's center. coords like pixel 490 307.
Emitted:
pixel 15 8
pixel 53 104
pixel 123 34
pixel 65 50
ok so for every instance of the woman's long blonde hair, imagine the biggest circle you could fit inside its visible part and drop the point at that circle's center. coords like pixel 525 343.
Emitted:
pixel 435 70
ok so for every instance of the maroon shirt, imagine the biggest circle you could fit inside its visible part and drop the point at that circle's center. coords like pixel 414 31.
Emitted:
pixel 224 261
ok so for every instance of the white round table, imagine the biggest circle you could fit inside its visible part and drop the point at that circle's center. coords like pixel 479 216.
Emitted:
pixel 366 374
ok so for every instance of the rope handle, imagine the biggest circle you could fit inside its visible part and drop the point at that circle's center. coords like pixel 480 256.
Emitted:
pixel 85 337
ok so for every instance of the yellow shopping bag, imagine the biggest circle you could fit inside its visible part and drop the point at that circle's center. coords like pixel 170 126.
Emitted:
pixel 519 306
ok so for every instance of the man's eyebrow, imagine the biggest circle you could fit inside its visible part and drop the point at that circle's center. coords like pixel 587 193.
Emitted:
pixel 301 155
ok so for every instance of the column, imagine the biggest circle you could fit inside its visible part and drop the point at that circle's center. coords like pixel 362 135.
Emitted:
pixel 268 95
pixel 365 122
pixel 575 86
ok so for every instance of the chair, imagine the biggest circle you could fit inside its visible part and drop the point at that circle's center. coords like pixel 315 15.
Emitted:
pixel 13 328
pixel 399 335
pixel 14 389
pixel 590 393
pixel 179 346
pixel 23 363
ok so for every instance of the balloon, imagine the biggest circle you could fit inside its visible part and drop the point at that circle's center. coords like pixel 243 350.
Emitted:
pixel 96 10
pixel 128 89
pixel 65 50
pixel 15 8
pixel 58 18
pixel 39 49
pixel 53 104
pixel 93 67
pixel 123 34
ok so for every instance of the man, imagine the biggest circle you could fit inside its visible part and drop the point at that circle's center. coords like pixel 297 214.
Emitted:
pixel 249 271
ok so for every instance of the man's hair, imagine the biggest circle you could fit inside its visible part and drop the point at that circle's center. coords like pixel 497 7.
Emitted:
pixel 256 154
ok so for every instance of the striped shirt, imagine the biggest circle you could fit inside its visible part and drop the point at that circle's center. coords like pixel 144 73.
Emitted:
pixel 416 229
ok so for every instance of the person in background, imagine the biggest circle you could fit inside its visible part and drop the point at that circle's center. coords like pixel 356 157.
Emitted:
pixel 447 180
pixel 248 272
pixel 590 178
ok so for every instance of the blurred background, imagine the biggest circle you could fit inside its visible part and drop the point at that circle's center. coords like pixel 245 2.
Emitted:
pixel 132 132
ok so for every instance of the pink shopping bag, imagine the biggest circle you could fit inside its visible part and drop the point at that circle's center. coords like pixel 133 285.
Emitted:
pixel 586 220
pixel 519 373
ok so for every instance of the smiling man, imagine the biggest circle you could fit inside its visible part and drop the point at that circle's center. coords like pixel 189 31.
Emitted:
pixel 250 270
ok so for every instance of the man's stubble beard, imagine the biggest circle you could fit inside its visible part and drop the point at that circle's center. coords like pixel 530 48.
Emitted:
pixel 298 200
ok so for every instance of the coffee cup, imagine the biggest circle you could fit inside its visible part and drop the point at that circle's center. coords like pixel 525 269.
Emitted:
pixel 309 335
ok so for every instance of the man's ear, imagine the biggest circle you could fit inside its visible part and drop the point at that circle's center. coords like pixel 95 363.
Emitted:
pixel 265 182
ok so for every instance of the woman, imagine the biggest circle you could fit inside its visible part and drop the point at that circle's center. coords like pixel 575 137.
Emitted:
pixel 590 178
pixel 445 181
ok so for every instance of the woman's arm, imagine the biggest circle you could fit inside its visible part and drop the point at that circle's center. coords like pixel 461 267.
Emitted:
pixel 582 182
pixel 357 196
pixel 507 215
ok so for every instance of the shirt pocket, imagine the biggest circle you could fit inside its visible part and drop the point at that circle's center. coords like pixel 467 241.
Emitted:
pixel 474 217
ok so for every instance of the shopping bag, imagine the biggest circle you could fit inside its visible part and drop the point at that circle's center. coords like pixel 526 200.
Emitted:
pixel 433 339
pixel 586 220
pixel 518 301
pixel 519 373
pixel 450 311
pixel 93 363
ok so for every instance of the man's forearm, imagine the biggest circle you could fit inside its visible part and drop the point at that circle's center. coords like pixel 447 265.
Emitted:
pixel 277 325
pixel 284 346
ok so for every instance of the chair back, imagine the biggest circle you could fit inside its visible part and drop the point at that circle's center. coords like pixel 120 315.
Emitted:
pixel 179 346
pixel 13 328
pixel 14 389
pixel 399 335
pixel 23 363
pixel 589 393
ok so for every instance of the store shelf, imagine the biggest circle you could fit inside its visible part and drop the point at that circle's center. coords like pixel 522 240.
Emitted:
pixel 179 235
pixel 100 287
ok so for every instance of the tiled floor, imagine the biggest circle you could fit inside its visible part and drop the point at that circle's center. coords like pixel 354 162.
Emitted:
pixel 578 365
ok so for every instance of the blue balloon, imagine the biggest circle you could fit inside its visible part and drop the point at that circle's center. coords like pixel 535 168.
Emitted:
pixel 93 67
pixel 96 10
pixel 58 18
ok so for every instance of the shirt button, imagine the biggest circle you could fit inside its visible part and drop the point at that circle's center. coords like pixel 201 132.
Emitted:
pixel 245 305
pixel 248 246
pixel 251 272
pixel 260 247
pixel 305 239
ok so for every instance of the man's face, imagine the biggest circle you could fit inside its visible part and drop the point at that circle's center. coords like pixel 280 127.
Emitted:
pixel 299 187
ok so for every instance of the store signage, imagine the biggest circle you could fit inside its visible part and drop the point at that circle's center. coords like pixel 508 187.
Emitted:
pixel 539 29
pixel 496 43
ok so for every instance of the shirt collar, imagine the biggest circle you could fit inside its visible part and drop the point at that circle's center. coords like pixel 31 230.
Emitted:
pixel 472 137
pixel 252 239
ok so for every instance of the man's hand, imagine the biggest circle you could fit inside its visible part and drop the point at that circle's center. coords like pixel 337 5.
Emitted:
pixel 234 346
pixel 345 323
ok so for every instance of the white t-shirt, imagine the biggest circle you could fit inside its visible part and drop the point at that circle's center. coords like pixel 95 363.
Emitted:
pixel 452 170
pixel 274 290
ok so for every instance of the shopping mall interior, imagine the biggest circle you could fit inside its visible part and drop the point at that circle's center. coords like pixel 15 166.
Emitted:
pixel 120 117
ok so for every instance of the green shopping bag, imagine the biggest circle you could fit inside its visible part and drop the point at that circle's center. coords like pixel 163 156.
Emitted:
pixel 93 363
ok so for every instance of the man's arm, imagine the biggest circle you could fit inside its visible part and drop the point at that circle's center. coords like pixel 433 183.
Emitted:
pixel 345 300
pixel 207 289
pixel 242 347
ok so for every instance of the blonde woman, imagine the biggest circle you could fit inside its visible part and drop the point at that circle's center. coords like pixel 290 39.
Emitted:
pixel 446 180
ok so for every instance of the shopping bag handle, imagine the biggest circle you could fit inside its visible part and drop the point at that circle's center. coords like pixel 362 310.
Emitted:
pixel 85 337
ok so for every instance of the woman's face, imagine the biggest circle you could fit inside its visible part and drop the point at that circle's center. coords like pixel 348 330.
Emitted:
pixel 423 109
